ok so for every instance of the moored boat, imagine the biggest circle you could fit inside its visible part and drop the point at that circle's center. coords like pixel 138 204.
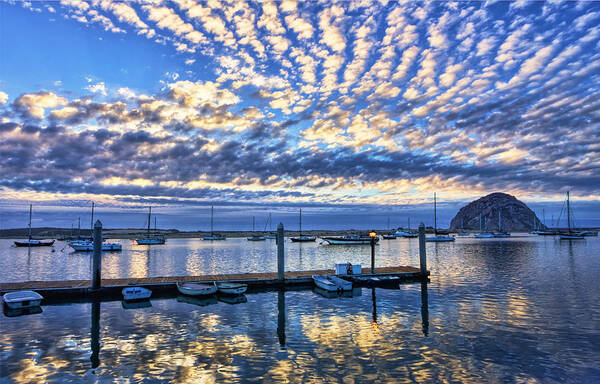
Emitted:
pixel 254 236
pixel 196 289
pixel 349 240
pixel 437 238
pixel 389 236
pixel 151 239
pixel 231 288
pixel 136 293
pixel 88 246
pixel 22 299
pixel 302 238
pixel 324 283
pixel 30 242
pixel 213 236
pixel 570 235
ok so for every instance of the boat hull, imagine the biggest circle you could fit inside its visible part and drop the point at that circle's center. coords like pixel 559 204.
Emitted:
pixel 213 238
pixel 136 293
pixel 439 239
pixel 571 237
pixel 193 289
pixel 256 238
pixel 150 241
pixel 484 236
pixel 34 243
pixel 389 237
pixel 231 288
pixel 324 283
pixel 22 299
pixel 349 240
pixel 343 285
pixel 89 247
pixel 303 239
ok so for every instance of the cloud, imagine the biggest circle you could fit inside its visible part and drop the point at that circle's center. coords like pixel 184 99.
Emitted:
pixel 3 97
pixel 35 104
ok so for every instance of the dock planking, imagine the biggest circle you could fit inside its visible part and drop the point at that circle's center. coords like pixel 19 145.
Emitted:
pixel 254 280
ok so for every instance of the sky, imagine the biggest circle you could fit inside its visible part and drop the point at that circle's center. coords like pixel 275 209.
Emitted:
pixel 354 110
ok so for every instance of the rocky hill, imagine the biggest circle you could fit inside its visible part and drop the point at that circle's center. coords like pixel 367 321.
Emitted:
pixel 516 216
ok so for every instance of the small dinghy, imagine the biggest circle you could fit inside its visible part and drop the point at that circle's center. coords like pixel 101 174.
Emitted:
pixel 324 283
pixel 231 288
pixel 196 289
pixel 136 293
pixel 22 299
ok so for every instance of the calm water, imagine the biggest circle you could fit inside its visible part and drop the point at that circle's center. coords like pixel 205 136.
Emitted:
pixel 506 310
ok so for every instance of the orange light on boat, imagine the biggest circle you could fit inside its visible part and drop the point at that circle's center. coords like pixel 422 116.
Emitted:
pixel 372 234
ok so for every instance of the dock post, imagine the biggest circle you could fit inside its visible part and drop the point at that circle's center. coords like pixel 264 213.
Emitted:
pixel 97 260
pixel 422 251
pixel 280 254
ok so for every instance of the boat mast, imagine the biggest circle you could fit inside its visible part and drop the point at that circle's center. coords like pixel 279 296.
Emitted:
pixel 30 222
pixel 92 222
pixel 499 222
pixel 300 222
pixel 568 213
pixel 408 223
pixel 434 215
pixel 149 216
pixel 79 227
pixel 480 226
pixel 252 223
pixel 154 223
pixel 212 208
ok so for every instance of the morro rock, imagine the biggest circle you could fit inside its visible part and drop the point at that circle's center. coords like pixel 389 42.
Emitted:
pixel 514 215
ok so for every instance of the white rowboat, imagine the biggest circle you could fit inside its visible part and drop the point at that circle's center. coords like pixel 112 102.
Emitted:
pixel 196 289
pixel 231 288
pixel 136 293
pixel 22 299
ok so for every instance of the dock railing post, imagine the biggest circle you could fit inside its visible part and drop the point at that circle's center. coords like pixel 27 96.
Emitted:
pixel 97 260
pixel 280 253
pixel 422 251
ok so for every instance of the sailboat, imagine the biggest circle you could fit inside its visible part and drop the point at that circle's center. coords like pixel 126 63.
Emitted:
pixel 150 239
pixel 500 232
pixel 570 235
pixel 213 235
pixel 30 241
pixel 87 245
pixel 254 236
pixel 482 234
pixel 301 238
pixel 436 237
pixel 410 233
pixel 270 235
pixel 389 235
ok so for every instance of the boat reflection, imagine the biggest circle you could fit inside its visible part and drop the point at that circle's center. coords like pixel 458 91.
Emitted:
pixel 199 301
pixel 136 304
pixel 233 299
pixel 355 292
pixel 15 312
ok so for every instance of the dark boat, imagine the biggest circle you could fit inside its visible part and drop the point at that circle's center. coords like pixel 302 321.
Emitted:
pixel 30 241
pixel 301 238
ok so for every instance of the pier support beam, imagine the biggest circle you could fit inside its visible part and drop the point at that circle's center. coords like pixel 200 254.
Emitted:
pixel 97 258
pixel 422 251
pixel 280 253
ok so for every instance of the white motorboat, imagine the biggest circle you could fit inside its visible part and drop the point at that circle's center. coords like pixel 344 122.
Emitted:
pixel 349 240
pixel 22 299
pixel 231 288
pixel 343 285
pixel 323 282
pixel 196 289
pixel 136 293
pixel 88 246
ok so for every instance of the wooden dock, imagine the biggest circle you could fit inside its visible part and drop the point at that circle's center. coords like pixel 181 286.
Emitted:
pixel 255 281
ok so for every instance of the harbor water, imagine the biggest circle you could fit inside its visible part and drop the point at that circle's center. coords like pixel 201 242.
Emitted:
pixel 522 309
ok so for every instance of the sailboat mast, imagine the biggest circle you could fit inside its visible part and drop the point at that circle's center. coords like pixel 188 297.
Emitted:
pixel 480 224
pixel 79 227
pixel 499 222
pixel 568 213
pixel 300 222
pixel 409 224
pixel 92 222
pixel 154 223
pixel 434 214
pixel 212 209
pixel 30 208
pixel 149 217
pixel 252 223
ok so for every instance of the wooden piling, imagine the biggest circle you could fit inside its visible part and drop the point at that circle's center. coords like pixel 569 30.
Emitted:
pixel 97 258
pixel 422 251
pixel 280 253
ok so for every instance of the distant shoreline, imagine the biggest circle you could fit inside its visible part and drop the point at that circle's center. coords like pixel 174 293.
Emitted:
pixel 133 233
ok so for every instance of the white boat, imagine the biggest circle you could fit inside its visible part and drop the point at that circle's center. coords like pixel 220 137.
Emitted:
pixel 213 236
pixel 136 293
pixel 343 285
pixel 323 282
pixel 88 246
pixel 570 235
pixel 231 288
pixel 151 239
pixel 349 240
pixel 196 289
pixel 22 299
pixel 437 238
pixel 484 235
